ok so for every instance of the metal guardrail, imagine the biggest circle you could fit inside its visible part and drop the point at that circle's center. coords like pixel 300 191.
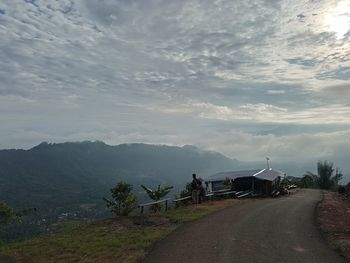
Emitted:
pixel 209 194
pixel 237 194
pixel 223 193
pixel 177 200
pixel 182 199
pixel 244 194
pixel 153 203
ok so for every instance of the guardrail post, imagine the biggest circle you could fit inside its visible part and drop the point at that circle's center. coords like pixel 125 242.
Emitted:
pixel 166 205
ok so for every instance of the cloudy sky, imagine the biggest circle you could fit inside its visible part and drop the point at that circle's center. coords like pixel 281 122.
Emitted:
pixel 247 78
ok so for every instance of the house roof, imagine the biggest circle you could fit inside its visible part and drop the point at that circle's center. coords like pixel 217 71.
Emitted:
pixel 262 174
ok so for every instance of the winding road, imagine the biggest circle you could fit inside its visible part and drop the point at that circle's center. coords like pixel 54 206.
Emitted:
pixel 268 230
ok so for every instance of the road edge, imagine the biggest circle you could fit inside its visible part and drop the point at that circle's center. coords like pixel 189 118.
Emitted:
pixel 333 244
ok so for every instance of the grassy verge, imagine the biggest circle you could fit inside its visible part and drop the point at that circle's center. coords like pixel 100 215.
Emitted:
pixel 114 240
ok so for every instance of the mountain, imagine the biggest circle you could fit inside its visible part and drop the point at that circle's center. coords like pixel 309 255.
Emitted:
pixel 69 174
pixel 68 180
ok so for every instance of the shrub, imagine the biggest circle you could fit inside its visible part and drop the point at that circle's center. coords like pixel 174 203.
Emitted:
pixel 157 194
pixel 124 200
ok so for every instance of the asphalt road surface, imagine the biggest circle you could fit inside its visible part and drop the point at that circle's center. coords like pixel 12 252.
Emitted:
pixel 269 230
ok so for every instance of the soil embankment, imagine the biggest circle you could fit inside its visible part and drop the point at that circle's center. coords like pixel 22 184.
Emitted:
pixel 334 219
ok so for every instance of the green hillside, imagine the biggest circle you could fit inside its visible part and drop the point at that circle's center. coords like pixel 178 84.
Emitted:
pixel 72 178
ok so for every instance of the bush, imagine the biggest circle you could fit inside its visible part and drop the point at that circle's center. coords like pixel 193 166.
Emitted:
pixel 157 194
pixel 341 190
pixel 124 200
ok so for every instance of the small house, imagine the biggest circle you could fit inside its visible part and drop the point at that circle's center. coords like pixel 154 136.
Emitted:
pixel 260 181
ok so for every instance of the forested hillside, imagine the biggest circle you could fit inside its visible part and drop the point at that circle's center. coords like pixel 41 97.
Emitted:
pixel 68 174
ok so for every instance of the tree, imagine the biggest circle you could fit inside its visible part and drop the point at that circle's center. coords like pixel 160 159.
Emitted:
pixel 325 178
pixel 8 214
pixel 187 191
pixel 308 180
pixel 157 194
pixel 124 200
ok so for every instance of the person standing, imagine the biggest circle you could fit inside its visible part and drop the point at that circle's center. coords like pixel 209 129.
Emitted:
pixel 195 186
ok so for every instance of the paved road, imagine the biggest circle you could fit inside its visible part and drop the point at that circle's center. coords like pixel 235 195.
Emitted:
pixel 270 230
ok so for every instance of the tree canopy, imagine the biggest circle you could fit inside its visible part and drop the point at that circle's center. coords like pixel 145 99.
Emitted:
pixel 326 178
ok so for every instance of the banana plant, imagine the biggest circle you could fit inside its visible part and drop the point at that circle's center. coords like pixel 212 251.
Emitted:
pixel 157 194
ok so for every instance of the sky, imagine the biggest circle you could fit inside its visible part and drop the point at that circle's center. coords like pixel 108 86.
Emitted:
pixel 249 79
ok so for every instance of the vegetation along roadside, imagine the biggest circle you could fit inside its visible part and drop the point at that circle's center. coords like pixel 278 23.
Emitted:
pixel 333 215
pixel 121 239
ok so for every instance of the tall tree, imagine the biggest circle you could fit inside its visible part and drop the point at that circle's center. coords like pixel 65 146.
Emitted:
pixel 326 178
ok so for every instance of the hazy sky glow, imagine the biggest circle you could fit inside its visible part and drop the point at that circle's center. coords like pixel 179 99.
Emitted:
pixel 247 78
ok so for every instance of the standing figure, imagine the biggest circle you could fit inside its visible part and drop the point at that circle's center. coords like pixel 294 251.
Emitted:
pixel 196 189
pixel 201 190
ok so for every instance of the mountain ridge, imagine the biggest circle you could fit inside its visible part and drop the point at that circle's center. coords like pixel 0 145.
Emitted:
pixel 54 166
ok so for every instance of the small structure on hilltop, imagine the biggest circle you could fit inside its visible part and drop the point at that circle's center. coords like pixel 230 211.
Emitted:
pixel 260 182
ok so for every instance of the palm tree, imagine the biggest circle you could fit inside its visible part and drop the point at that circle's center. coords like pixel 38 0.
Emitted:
pixel 325 178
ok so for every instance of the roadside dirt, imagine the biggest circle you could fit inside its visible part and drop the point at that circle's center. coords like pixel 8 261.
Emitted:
pixel 334 219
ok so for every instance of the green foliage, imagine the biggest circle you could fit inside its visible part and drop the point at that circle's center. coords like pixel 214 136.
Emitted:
pixel 325 178
pixel 187 214
pixel 308 180
pixel 98 242
pixel 58 178
pixel 124 200
pixel 157 194
pixel 187 191
pixel 7 214
pixel 67 175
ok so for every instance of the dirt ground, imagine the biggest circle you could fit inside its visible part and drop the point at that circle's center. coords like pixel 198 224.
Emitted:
pixel 334 218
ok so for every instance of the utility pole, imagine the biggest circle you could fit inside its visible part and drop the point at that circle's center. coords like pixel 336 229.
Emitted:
pixel 267 163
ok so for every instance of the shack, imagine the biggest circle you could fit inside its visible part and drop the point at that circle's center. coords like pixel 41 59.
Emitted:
pixel 259 181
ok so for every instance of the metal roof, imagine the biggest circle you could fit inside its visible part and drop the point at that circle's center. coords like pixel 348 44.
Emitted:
pixel 262 174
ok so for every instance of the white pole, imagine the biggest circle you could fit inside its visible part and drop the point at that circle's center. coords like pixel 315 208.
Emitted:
pixel 267 163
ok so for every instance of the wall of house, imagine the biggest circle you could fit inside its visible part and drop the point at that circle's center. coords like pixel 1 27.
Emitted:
pixel 219 185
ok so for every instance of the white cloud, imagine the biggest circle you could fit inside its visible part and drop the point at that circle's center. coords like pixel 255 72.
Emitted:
pixel 164 71
pixel 263 113
pixel 296 148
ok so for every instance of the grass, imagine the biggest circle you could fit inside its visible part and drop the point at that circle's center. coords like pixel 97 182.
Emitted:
pixel 95 242
pixel 337 246
pixel 124 240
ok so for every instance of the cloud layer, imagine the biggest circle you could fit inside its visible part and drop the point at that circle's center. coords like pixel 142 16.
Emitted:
pixel 248 78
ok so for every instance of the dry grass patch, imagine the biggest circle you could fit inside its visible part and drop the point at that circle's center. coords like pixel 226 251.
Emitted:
pixel 124 240
pixel 334 220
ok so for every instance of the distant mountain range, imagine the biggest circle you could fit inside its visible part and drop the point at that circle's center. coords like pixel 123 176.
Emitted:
pixel 69 174
pixel 51 176
pixel 68 180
